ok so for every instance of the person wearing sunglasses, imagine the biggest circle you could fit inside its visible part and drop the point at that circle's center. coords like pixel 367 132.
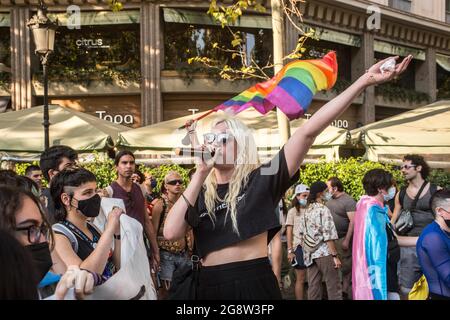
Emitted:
pixel 415 170
pixel 433 248
pixel 231 199
pixel 173 254
pixel 21 215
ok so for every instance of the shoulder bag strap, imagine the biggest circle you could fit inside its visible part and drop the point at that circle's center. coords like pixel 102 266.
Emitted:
pixel 413 205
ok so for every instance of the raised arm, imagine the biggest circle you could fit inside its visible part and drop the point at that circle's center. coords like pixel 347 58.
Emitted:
pixel 175 226
pixel 299 144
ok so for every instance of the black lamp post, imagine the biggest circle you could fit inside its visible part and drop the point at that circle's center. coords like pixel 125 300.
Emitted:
pixel 44 39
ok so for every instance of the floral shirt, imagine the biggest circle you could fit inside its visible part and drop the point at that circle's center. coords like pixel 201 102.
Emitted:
pixel 319 224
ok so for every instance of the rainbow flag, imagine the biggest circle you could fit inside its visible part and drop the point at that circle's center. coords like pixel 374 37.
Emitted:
pixel 291 90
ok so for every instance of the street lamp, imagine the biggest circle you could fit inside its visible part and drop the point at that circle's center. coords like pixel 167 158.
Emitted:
pixel 43 30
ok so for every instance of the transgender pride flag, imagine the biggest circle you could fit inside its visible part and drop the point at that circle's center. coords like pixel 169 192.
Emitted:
pixel 291 90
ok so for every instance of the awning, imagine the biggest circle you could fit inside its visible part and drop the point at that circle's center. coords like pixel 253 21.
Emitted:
pixel 202 18
pixel 159 140
pixel 98 18
pixel 424 131
pixel 396 50
pixel 443 61
pixel 23 134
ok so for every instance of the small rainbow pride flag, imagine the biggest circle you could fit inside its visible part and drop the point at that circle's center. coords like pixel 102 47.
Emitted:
pixel 291 90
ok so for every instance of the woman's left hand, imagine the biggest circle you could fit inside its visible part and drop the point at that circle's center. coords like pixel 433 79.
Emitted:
pixel 337 263
pixel 81 280
pixel 375 76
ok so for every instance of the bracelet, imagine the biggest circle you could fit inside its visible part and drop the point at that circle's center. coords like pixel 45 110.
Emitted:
pixel 334 255
pixel 98 279
pixel 117 236
pixel 290 250
pixel 191 131
pixel 187 201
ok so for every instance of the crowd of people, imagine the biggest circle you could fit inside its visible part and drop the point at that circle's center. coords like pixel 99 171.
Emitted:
pixel 229 223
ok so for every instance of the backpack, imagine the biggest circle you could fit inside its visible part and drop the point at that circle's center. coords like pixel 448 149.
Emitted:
pixel 59 227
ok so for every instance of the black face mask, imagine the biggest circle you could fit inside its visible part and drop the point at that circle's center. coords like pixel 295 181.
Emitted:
pixel 42 259
pixel 90 207
pixel 447 222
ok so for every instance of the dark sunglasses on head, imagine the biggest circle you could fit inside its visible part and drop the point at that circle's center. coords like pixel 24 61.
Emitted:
pixel 174 182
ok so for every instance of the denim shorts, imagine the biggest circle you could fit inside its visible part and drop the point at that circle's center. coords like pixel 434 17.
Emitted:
pixel 172 261
pixel 299 257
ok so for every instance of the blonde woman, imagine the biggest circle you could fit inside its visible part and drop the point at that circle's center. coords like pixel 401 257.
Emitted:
pixel 231 199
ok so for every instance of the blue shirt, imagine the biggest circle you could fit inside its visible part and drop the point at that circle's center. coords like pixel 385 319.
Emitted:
pixel 433 250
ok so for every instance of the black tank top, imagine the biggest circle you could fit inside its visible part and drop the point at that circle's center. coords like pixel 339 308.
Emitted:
pixel 422 215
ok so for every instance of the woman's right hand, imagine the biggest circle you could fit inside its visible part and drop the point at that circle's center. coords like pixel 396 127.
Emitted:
pixel 291 257
pixel 204 166
pixel 191 125
pixel 113 223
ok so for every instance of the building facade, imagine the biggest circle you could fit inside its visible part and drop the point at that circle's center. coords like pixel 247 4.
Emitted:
pixel 131 66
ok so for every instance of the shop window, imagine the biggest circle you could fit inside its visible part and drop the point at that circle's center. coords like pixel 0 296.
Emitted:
pixel 401 89
pixel 104 49
pixel 317 49
pixel 5 59
pixel 193 33
pixel 404 5
pixel 443 77
pixel 447 11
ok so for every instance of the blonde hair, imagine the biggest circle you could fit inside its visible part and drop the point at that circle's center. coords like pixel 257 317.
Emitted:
pixel 245 162
pixel 171 173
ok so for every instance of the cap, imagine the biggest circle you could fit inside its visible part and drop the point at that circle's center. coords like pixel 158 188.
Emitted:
pixel 301 188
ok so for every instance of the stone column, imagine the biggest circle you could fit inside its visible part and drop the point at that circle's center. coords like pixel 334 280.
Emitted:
pixel 151 99
pixel 20 59
pixel 426 74
pixel 362 59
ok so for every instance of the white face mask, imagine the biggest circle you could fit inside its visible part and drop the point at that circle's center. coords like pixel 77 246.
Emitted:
pixel 327 196
pixel 390 194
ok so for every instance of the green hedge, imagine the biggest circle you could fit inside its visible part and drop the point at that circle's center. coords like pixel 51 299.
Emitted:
pixel 350 171
pixel 105 171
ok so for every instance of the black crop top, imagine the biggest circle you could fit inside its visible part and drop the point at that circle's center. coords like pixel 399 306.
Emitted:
pixel 255 209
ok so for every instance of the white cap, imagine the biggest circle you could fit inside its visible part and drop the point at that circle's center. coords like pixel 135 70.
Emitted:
pixel 301 188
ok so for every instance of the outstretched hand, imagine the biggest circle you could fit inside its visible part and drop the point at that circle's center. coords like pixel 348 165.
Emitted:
pixel 375 76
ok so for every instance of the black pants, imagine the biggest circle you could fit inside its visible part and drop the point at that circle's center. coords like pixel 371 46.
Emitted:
pixel 243 280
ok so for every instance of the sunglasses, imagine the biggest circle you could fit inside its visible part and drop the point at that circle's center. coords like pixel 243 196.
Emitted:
pixel 221 138
pixel 35 232
pixel 175 182
pixel 407 167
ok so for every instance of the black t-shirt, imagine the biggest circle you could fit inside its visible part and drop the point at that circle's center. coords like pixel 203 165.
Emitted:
pixel 87 246
pixel 393 257
pixel 256 205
